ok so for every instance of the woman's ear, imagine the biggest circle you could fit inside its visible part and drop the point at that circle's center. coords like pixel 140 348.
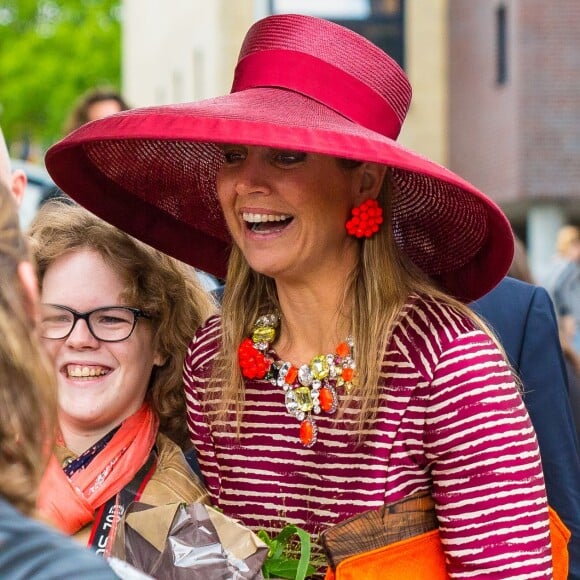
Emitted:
pixel 371 181
pixel 18 182
pixel 159 360
pixel 29 283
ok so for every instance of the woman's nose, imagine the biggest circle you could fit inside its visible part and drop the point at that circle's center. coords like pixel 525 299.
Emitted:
pixel 251 177
pixel 81 336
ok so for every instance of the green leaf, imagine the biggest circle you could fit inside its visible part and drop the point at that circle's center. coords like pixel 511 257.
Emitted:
pixel 280 561
pixel 282 568
pixel 277 549
pixel 263 535
pixel 305 550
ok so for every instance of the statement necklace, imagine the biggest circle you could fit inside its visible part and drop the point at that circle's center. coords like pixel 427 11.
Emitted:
pixel 308 390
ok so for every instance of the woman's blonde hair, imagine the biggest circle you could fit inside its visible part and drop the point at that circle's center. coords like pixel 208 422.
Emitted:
pixel 380 284
pixel 27 382
pixel 163 287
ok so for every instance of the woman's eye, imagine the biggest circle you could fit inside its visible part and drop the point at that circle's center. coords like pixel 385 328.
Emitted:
pixel 110 320
pixel 56 319
pixel 232 155
pixel 289 157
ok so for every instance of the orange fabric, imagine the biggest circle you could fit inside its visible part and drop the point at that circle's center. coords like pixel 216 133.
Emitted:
pixel 70 503
pixel 422 558
pixel 418 557
pixel 559 536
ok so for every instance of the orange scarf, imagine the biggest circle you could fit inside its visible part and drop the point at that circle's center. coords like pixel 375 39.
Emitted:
pixel 70 503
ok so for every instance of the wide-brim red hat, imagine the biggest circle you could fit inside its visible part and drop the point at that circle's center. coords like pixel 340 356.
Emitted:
pixel 301 83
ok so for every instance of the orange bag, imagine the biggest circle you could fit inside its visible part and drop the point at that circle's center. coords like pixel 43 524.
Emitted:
pixel 416 557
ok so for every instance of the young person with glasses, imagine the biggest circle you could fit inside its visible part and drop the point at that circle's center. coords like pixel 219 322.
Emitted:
pixel 116 317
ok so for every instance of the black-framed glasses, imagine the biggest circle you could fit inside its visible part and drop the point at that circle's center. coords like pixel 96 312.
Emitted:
pixel 108 324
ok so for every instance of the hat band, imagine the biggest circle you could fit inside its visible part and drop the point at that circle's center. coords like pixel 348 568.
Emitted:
pixel 321 81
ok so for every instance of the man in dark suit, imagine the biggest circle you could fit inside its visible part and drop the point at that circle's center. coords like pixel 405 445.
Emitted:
pixel 523 319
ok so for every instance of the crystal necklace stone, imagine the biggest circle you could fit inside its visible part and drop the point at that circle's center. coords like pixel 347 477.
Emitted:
pixel 320 368
pixel 304 398
pixel 305 375
pixel 263 334
pixel 291 402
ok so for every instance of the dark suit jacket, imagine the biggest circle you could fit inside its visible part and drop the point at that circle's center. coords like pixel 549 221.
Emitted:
pixel 523 318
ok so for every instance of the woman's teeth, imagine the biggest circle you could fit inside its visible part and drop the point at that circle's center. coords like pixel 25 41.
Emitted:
pixel 266 223
pixel 256 218
pixel 85 371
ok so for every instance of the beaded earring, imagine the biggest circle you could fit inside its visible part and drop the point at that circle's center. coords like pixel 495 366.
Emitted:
pixel 366 219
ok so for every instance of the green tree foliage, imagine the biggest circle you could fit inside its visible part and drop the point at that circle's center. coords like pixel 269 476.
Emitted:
pixel 51 51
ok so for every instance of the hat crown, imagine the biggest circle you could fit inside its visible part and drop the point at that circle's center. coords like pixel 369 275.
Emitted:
pixel 329 44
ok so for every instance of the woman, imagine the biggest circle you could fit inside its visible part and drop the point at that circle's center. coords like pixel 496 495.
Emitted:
pixel 27 417
pixel 345 372
pixel 115 317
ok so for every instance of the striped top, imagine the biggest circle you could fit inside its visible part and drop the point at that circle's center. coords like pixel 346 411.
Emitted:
pixel 449 420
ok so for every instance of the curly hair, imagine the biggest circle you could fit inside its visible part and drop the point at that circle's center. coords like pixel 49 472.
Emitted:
pixel 163 287
pixel 27 381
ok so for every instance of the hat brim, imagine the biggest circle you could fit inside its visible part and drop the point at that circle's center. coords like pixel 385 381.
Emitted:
pixel 151 172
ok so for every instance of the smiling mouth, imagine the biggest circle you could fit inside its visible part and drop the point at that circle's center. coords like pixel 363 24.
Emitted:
pixel 266 223
pixel 85 371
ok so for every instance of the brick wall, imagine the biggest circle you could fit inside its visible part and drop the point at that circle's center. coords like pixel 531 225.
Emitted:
pixel 550 98
pixel 518 141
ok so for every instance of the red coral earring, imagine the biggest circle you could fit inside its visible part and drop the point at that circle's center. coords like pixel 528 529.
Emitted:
pixel 366 219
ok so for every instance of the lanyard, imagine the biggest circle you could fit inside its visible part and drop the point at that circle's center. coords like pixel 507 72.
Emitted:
pixel 113 509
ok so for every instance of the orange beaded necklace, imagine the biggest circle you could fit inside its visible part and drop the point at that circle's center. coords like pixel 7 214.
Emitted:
pixel 309 389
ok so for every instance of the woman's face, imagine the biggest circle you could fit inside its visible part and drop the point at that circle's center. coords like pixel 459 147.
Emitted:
pixel 99 383
pixel 287 210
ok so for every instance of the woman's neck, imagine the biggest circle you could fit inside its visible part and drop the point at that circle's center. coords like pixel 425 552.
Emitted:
pixel 314 320
pixel 78 441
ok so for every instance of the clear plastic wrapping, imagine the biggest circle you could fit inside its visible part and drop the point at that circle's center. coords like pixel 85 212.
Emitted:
pixel 193 542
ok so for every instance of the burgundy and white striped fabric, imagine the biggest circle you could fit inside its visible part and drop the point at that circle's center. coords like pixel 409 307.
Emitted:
pixel 449 420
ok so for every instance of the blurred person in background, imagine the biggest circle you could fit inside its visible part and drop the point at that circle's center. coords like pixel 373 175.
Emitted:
pixel 94 104
pixel 28 549
pixel 563 284
pixel 15 179
pixel 566 251
pixel 116 317
pixel 520 268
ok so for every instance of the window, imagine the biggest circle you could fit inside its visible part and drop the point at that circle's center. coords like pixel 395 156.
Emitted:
pixel 501 74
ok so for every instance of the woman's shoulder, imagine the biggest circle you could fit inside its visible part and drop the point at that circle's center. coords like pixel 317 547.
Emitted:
pixel 212 321
pixel 203 347
pixel 173 480
pixel 435 317
pixel 207 335
pixel 428 327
